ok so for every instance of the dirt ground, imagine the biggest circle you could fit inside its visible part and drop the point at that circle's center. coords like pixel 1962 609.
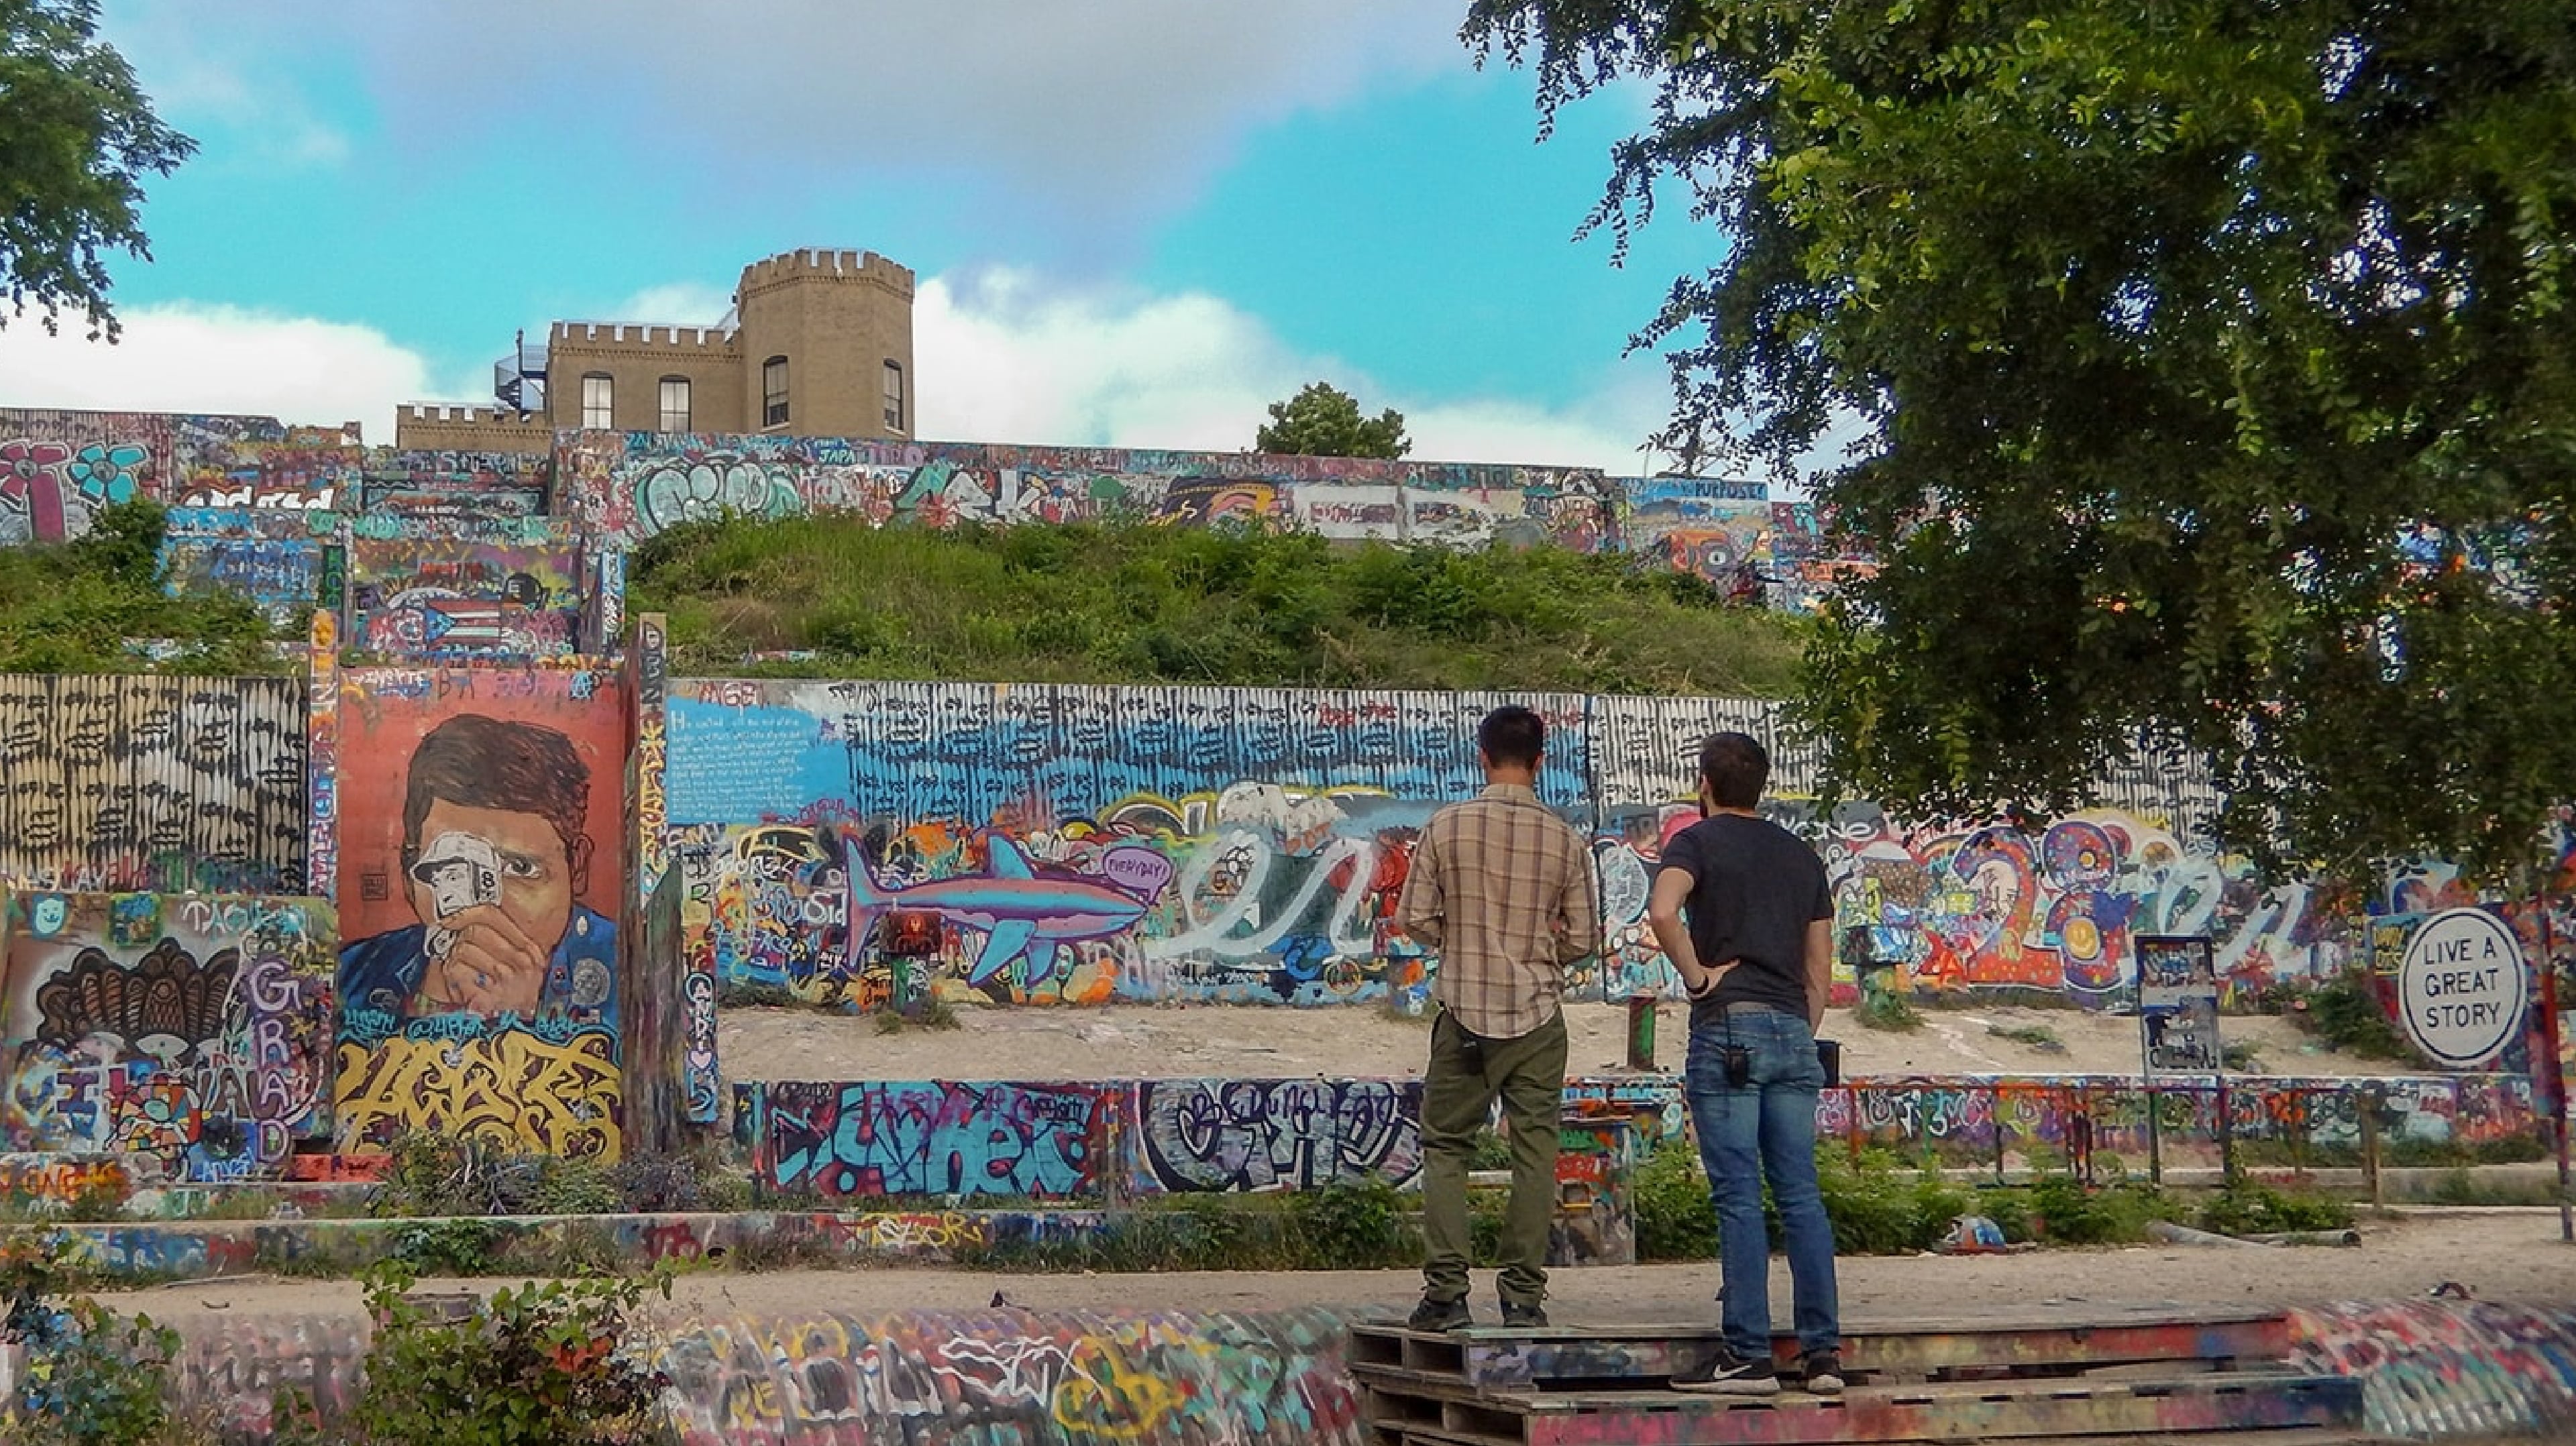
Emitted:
pixel 2499 1255
pixel 1250 1042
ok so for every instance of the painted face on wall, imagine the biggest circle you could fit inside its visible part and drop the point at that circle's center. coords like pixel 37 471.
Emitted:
pixel 537 874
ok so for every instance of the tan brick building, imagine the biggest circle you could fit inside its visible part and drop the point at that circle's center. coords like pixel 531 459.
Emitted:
pixel 819 343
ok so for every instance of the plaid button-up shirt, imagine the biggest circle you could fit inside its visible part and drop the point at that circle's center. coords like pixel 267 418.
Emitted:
pixel 1502 890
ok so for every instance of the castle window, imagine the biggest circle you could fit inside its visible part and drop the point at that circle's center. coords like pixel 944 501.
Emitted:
pixel 773 392
pixel 675 404
pixel 598 400
pixel 893 395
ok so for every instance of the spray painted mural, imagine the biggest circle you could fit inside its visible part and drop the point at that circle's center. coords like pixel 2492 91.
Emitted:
pixel 58 469
pixel 195 1031
pixel 464 486
pixel 152 783
pixel 285 563
pixel 1072 845
pixel 1093 1140
pixel 1753 549
pixel 631 485
pixel 451 589
pixel 480 865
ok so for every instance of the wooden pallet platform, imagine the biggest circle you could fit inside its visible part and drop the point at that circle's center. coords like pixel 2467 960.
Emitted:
pixel 2034 1344
pixel 2136 1376
pixel 1947 1412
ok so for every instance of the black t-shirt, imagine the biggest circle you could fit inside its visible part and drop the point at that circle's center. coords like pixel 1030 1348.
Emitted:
pixel 1755 887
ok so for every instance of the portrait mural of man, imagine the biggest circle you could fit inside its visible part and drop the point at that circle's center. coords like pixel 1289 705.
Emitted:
pixel 480 873
pixel 495 852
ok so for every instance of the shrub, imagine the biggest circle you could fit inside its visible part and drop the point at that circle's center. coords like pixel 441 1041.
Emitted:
pixel 92 1378
pixel 540 1365
pixel 1355 1226
pixel 2251 1209
pixel 2346 1014
pixel 1676 1220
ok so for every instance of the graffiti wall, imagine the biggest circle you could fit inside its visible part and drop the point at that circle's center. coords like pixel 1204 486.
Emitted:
pixel 1066 845
pixel 1086 1141
pixel 165 784
pixel 59 468
pixel 195 1031
pixel 2435 1369
pixel 631 485
pixel 481 864
pixel 1751 548
pixel 467 486
pixel 445 589
pixel 285 563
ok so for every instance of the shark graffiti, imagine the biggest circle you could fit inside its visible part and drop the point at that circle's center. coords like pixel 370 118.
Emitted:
pixel 1018 908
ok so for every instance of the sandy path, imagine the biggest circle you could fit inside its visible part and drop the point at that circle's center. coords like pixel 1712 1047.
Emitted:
pixel 2505 1256
pixel 1168 1042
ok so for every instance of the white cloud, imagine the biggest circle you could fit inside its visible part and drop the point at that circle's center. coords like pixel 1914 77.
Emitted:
pixel 189 358
pixel 1004 359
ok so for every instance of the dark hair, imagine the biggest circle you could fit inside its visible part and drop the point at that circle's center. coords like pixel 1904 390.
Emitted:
pixel 479 762
pixel 1735 768
pixel 1511 735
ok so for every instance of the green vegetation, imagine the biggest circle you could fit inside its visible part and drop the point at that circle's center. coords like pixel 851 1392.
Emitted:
pixel 69 607
pixel 1887 1010
pixel 1136 602
pixel 542 1363
pixel 2165 332
pixel 2037 1036
pixel 432 1175
pixel 78 136
pixel 2346 1014
pixel 1324 421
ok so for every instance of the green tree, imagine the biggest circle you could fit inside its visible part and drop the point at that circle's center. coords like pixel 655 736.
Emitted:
pixel 1325 421
pixel 2211 368
pixel 76 138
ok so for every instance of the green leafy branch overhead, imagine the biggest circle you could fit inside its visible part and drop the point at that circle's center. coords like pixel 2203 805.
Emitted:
pixel 2212 372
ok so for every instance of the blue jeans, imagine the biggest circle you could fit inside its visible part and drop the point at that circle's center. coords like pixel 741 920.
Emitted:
pixel 1767 1128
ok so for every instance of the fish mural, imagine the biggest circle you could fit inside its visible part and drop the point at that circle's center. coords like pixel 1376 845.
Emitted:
pixel 1018 908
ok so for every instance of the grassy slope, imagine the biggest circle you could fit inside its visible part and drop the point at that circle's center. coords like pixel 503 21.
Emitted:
pixel 69 607
pixel 1148 604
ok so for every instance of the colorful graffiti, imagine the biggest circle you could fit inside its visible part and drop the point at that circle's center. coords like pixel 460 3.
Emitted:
pixel 481 822
pixel 2449 1368
pixel 1116 1139
pixel 633 485
pixel 1751 548
pixel 152 783
pixel 194 1031
pixel 1043 1141
pixel 59 469
pixel 450 588
pixel 1072 844
pixel 277 560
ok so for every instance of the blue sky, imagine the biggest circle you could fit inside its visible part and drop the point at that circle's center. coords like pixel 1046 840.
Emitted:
pixel 1136 221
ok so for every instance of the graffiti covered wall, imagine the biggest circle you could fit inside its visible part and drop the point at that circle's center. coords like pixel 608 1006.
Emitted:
pixel 195 1031
pixel 631 485
pixel 1094 1140
pixel 152 783
pixel 481 865
pixel 448 588
pixel 1070 845
pixel 284 562
pixel 1733 536
pixel 59 468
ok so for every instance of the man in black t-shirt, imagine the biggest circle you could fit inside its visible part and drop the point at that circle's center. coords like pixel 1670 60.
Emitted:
pixel 1743 909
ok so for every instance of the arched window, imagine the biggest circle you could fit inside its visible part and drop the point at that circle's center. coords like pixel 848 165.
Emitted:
pixel 598 400
pixel 675 404
pixel 893 395
pixel 773 392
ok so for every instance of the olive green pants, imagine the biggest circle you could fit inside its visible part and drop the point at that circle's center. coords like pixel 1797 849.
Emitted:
pixel 1457 1098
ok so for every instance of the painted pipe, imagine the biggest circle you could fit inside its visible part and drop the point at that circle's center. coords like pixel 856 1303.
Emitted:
pixel 2172 1234
pixel 2307 1237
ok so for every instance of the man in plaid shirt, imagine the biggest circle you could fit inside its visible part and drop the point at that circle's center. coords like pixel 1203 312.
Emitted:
pixel 1501 889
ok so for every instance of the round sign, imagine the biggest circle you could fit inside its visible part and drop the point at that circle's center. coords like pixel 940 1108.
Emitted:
pixel 2462 987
